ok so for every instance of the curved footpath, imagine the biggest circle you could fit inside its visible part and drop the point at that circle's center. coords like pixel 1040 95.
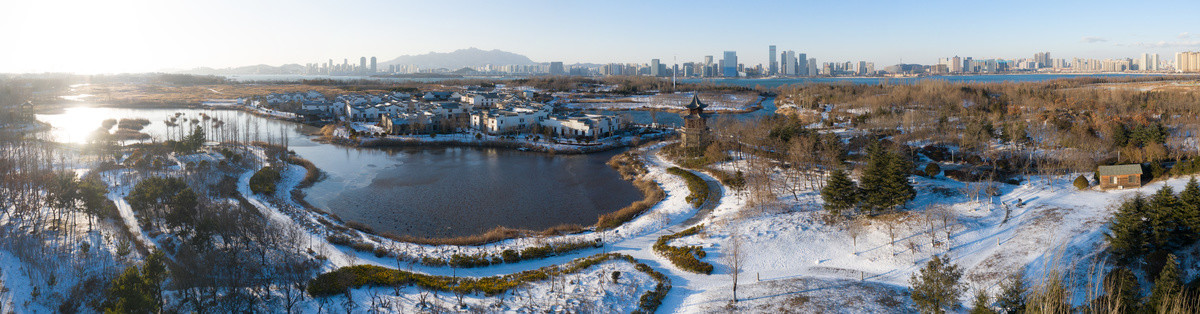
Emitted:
pixel 638 246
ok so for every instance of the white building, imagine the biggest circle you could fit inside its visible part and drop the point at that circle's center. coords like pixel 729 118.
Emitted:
pixel 508 120
pixel 484 100
pixel 587 125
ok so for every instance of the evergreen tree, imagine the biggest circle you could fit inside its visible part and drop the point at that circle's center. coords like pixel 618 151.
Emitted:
pixel 1127 235
pixel 1168 285
pixel 1012 294
pixel 1189 214
pixel 138 291
pixel 885 180
pixel 900 167
pixel 154 273
pixel 1164 212
pixel 982 303
pixel 936 287
pixel 840 193
pixel 874 194
pixel 1120 291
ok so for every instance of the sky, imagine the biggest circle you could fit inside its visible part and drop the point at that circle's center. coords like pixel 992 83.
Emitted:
pixel 117 36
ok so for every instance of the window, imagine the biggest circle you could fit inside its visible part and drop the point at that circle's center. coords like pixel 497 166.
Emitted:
pixel 1116 179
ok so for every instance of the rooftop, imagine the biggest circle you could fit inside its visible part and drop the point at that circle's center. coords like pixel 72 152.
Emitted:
pixel 1118 170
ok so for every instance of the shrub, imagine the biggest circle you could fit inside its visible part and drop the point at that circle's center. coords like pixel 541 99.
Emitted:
pixel 536 252
pixel 469 261
pixel 510 256
pixel 696 185
pixel 686 258
pixel 363 247
pixel 339 239
pixel 340 281
pixel 1082 183
pixel 264 181
pixel 932 170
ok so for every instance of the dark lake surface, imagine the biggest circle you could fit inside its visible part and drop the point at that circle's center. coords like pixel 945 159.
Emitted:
pixel 416 191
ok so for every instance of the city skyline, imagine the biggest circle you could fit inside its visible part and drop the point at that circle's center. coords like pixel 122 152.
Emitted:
pixel 140 36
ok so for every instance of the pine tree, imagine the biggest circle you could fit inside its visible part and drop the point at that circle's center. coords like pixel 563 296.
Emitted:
pixel 1127 235
pixel 1189 214
pixel 982 303
pixel 874 179
pixel 900 167
pixel 1164 212
pixel 1168 285
pixel 885 180
pixel 840 193
pixel 1120 291
pixel 1012 294
pixel 936 287
pixel 138 291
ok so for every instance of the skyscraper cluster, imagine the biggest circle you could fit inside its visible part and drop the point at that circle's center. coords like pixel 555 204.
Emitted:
pixel 791 63
pixel 345 68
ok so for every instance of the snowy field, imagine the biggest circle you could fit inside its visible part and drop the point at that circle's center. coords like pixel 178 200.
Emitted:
pixel 796 261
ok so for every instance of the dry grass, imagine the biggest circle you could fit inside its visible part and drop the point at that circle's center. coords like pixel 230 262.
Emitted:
pixel 311 176
pixel 149 95
pixel 495 235
pixel 653 194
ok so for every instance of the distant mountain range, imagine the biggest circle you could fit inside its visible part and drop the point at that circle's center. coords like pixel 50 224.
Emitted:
pixel 470 57
pixel 250 69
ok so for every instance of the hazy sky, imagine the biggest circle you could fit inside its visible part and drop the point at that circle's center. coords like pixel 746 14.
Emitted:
pixel 127 36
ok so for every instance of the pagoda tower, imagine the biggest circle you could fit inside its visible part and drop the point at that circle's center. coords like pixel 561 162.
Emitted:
pixel 695 125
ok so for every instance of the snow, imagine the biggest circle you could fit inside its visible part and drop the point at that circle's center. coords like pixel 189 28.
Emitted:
pixel 1059 228
pixel 590 290
pixel 797 261
pixel 120 184
pixel 723 102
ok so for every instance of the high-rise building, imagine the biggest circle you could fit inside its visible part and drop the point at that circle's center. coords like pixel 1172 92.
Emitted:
pixel 801 64
pixel 956 65
pixel 772 68
pixel 556 68
pixel 1148 62
pixel 1042 59
pixel 655 67
pixel 362 64
pixel 730 64
pixel 789 63
pixel 1188 61
pixel 812 67
pixel 373 68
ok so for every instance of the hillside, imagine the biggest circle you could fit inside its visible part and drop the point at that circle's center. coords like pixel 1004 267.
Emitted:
pixel 470 57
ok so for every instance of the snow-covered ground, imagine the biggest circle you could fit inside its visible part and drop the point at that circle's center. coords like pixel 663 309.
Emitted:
pixel 589 291
pixel 799 260
pixel 796 260
pixel 1057 228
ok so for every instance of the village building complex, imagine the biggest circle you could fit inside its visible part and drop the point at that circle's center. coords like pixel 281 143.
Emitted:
pixel 447 112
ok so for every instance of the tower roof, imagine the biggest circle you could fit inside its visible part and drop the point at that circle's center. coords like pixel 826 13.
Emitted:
pixel 696 104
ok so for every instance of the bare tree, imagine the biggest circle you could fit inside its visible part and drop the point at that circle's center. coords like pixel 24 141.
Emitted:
pixel 855 227
pixel 734 258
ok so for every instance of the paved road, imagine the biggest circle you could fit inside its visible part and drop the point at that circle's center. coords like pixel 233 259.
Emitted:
pixel 715 193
